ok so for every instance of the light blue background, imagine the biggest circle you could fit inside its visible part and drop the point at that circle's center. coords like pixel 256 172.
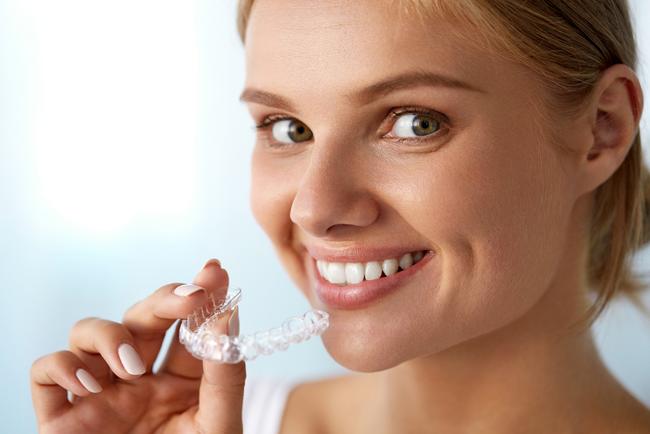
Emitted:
pixel 124 165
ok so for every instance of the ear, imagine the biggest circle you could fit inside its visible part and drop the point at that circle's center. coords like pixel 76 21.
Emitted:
pixel 614 115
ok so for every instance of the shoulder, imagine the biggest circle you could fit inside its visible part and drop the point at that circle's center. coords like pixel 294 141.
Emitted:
pixel 625 413
pixel 311 406
pixel 636 419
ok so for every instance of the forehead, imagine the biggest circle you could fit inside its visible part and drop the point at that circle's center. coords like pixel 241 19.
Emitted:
pixel 327 45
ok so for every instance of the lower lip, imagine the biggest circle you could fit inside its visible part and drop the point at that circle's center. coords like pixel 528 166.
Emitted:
pixel 361 294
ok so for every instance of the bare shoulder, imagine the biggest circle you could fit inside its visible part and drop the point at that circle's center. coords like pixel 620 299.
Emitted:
pixel 638 418
pixel 628 416
pixel 633 416
pixel 637 424
pixel 310 404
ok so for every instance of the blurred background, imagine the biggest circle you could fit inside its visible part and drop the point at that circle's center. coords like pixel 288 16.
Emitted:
pixel 124 165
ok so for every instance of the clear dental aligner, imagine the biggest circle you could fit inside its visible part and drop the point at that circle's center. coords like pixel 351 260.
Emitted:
pixel 197 334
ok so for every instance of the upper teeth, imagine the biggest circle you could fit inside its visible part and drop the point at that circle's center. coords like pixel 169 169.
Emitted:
pixel 346 273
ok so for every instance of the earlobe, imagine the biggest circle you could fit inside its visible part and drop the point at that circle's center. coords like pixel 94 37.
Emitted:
pixel 618 104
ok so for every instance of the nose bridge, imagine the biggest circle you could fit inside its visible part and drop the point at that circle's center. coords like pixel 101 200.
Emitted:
pixel 332 190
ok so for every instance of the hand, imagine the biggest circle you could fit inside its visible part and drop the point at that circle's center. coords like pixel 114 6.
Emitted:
pixel 186 395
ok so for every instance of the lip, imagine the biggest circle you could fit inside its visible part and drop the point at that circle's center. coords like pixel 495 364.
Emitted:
pixel 360 253
pixel 362 294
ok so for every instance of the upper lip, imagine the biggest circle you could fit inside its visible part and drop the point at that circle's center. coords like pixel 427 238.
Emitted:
pixel 359 253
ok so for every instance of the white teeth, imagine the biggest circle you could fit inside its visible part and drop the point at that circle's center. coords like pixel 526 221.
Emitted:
pixel 373 270
pixel 354 272
pixel 390 266
pixel 336 272
pixel 406 261
pixel 351 273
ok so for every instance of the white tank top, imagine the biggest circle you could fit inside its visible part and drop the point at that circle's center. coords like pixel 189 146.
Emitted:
pixel 264 403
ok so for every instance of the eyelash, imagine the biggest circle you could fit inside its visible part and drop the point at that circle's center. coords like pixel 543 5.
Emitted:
pixel 393 115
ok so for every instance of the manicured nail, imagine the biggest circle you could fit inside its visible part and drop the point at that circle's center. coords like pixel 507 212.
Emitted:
pixel 187 289
pixel 233 322
pixel 130 360
pixel 88 381
pixel 212 261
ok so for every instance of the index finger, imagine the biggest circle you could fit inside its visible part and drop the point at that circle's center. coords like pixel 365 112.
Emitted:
pixel 149 319
pixel 179 361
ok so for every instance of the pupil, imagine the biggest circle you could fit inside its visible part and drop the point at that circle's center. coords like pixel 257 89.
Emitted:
pixel 421 126
pixel 299 132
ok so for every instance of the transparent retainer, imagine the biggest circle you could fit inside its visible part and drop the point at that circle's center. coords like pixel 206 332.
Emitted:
pixel 198 334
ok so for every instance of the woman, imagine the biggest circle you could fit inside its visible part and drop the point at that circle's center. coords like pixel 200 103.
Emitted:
pixel 452 181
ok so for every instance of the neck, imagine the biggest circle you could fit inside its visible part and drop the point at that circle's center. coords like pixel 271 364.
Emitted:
pixel 496 385
pixel 511 381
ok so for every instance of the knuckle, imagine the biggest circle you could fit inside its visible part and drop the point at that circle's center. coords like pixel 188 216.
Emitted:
pixel 112 332
pixel 94 330
pixel 146 303
pixel 37 364
pixel 81 325
pixel 52 360
pixel 84 322
pixel 62 357
pixel 109 327
pixel 131 311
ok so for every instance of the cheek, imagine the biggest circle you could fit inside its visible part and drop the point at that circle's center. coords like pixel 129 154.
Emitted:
pixel 496 207
pixel 270 200
pixel 498 211
pixel 493 207
pixel 271 196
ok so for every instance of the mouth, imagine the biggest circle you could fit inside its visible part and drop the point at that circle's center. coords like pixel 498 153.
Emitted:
pixel 352 285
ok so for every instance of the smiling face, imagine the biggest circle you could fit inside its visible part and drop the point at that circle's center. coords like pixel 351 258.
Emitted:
pixel 473 179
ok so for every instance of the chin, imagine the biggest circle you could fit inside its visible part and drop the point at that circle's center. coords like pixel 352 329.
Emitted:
pixel 358 352
pixel 359 359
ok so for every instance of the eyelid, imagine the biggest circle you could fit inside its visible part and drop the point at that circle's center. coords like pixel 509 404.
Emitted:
pixel 419 110
pixel 393 114
pixel 271 119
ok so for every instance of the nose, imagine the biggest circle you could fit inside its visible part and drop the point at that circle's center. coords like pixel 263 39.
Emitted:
pixel 332 196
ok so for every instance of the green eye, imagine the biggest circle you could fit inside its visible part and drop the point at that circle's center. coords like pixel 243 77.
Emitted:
pixel 415 124
pixel 291 131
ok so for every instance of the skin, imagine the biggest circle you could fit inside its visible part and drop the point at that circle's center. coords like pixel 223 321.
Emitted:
pixel 478 340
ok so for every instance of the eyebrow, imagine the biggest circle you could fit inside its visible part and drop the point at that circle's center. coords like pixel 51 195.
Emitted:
pixel 368 94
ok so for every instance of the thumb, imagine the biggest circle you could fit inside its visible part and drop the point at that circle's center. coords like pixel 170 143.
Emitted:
pixel 221 393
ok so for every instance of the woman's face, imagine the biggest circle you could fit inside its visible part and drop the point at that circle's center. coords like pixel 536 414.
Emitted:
pixel 473 179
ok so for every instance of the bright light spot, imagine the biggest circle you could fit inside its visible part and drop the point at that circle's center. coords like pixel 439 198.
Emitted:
pixel 117 107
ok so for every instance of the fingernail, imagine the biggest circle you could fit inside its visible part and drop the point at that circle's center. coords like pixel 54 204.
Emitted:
pixel 187 289
pixel 88 381
pixel 130 360
pixel 212 261
pixel 233 322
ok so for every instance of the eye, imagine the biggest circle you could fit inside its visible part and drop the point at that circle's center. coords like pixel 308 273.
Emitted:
pixel 414 125
pixel 291 131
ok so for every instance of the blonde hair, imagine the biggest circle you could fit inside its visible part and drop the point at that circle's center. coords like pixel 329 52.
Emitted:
pixel 568 44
